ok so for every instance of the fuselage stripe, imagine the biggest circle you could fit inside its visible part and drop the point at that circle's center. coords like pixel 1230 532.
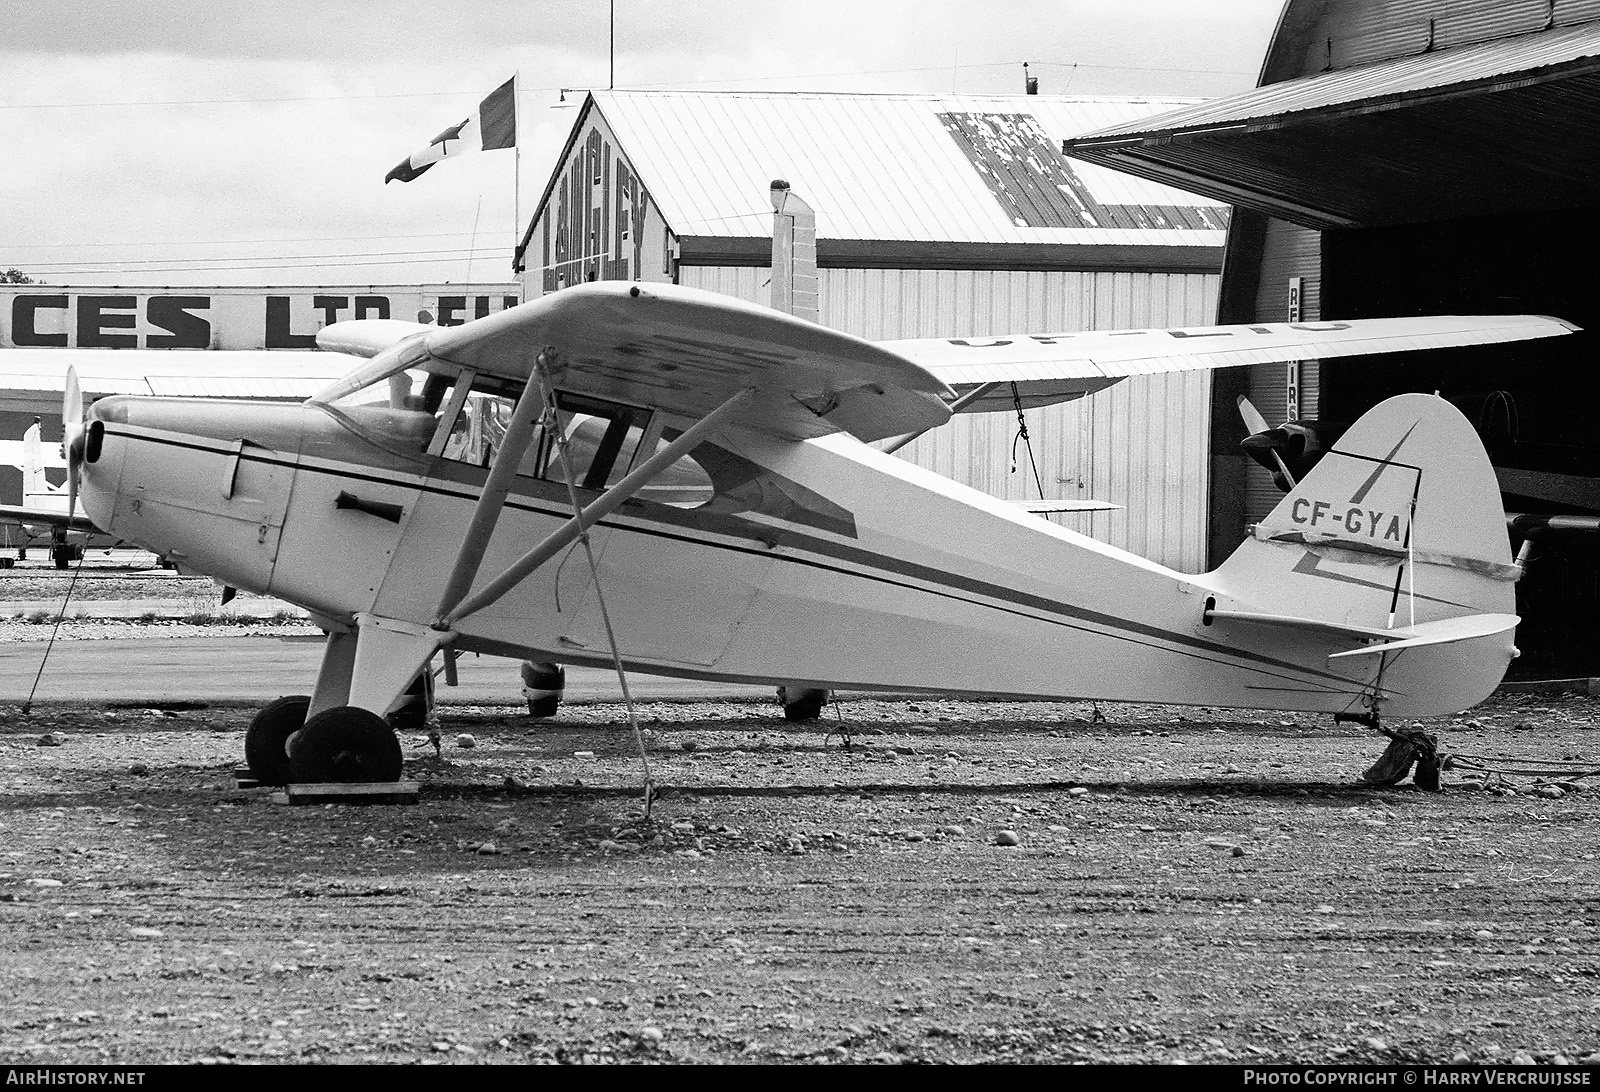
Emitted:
pixel 832 557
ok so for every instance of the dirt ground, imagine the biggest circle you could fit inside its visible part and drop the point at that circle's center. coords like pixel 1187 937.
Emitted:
pixel 1186 885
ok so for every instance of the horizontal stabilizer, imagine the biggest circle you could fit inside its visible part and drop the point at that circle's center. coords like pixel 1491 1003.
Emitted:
pixel 1045 506
pixel 1446 631
pixel 1308 625
pixel 1443 632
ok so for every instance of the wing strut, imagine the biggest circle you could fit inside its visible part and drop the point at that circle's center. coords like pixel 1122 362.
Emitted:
pixel 519 431
pixel 453 610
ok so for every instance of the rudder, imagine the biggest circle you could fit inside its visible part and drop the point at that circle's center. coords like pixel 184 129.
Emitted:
pixel 1400 525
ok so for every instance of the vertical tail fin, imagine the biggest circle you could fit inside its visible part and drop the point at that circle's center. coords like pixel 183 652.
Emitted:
pixel 34 482
pixel 794 254
pixel 1400 526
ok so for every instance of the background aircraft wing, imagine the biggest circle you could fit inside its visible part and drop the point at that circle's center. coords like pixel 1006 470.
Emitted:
pixel 45 517
pixel 684 351
pixel 1050 368
pixel 234 373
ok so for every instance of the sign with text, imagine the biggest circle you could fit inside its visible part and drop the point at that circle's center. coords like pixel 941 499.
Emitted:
pixel 44 316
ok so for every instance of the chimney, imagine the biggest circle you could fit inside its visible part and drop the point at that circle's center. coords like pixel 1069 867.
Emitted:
pixel 1030 84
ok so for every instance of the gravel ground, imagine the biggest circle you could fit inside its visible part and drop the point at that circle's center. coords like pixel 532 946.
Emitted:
pixel 1185 885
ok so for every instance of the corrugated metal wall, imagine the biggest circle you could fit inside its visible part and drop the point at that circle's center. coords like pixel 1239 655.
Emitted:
pixel 1142 444
pixel 1288 251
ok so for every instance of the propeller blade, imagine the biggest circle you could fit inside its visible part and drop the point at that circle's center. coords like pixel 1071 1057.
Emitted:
pixel 72 435
pixel 1253 421
pixel 1258 427
pixel 72 400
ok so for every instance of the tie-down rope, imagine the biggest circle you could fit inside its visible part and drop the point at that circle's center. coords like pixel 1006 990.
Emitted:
pixel 552 425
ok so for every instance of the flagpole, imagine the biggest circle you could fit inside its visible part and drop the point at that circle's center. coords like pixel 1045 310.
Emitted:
pixel 516 197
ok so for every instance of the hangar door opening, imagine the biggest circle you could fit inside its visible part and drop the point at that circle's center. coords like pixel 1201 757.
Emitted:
pixel 1536 405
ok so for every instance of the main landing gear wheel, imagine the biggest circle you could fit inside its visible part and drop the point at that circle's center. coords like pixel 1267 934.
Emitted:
pixel 543 685
pixel 801 705
pixel 346 744
pixel 267 739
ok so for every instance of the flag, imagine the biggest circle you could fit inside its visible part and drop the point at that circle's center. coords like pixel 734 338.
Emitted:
pixel 494 125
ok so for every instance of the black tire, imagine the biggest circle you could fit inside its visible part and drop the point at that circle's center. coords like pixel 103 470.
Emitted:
pixel 62 556
pixel 806 704
pixel 549 678
pixel 343 745
pixel 266 740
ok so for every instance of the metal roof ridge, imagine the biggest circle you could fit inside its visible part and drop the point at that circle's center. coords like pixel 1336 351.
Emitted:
pixel 908 96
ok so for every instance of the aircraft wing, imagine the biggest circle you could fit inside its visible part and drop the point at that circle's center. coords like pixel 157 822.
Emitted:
pixel 683 351
pixel 1050 368
pixel 45 517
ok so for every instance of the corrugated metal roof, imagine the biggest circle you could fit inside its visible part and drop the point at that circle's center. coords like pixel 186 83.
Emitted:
pixel 899 167
pixel 1476 130
pixel 1402 82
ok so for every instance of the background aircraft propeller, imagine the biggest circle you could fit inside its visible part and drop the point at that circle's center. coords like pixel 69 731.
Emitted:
pixel 1291 449
pixel 72 433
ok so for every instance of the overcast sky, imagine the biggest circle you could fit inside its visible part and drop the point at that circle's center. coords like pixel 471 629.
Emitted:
pixel 181 142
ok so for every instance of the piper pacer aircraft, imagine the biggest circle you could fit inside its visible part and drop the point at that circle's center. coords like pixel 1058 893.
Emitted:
pixel 431 501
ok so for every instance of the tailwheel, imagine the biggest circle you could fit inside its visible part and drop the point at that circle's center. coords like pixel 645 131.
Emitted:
pixel 343 745
pixel 266 740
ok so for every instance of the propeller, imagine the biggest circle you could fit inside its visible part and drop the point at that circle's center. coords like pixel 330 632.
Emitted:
pixel 72 433
pixel 1264 439
pixel 1291 449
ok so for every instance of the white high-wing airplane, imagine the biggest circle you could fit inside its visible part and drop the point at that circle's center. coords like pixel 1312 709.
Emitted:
pixel 744 530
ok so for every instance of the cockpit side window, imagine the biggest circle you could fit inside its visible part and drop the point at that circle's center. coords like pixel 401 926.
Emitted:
pixel 603 439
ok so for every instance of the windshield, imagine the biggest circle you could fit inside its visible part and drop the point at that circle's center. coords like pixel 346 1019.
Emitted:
pixel 398 411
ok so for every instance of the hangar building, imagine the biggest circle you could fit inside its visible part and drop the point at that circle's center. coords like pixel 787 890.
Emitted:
pixel 1412 157
pixel 937 216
